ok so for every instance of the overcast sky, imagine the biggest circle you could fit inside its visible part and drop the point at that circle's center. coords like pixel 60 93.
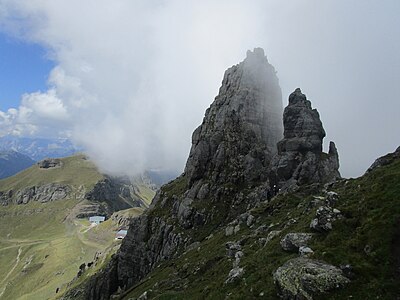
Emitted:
pixel 130 80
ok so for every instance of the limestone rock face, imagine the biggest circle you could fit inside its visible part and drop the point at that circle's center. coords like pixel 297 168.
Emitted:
pixel 300 159
pixel 45 193
pixel 241 127
pixel 303 278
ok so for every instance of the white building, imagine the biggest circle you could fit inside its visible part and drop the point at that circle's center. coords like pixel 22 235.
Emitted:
pixel 96 219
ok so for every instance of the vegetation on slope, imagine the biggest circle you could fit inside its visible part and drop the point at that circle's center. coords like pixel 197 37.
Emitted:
pixel 75 171
pixel 42 245
pixel 367 238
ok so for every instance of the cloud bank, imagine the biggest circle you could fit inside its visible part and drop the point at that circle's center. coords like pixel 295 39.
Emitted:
pixel 133 78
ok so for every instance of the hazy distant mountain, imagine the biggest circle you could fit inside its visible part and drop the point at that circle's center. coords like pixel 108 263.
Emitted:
pixel 38 148
pixel 12 162
pixel 160 177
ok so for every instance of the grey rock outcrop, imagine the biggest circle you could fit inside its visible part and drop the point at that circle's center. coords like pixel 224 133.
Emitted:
pixel 300 159
pixel 234 275
pixel 305 251
pixel 105 197
pixel 324 217
pixel 238 136
pixel 294 240
pixel 45 193
pixel 304 278
pixel 50 163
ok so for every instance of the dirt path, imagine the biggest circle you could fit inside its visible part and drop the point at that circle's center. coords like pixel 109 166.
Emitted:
pixel 9 273
pixel 24 243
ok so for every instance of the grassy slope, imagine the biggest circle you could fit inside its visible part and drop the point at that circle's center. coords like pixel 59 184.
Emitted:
pixel 146 193
pixel 76 171
pixel 371 209
pixel 52 245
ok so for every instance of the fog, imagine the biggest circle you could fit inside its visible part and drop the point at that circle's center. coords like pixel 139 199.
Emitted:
pixel 132 79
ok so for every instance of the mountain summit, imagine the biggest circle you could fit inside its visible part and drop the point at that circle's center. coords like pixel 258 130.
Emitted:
pixel 242 126
pixel 254 214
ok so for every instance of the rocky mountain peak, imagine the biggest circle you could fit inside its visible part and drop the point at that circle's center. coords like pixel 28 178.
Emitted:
pixel 233 161
pixel 242 125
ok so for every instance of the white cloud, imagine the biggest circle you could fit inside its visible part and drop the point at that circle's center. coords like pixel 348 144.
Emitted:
pixel 133 78
pixel 39 114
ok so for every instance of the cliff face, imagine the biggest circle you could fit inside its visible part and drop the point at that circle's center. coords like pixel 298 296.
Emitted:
pixel 71 178
pixel 233 162
pixel 300 159
pixel 241 127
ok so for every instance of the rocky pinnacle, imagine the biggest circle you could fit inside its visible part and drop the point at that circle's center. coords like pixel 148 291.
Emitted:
pixel 242 125
pixel 300 159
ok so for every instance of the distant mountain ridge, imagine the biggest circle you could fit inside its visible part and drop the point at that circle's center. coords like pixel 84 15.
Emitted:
pixel 39 148
pixel 12 162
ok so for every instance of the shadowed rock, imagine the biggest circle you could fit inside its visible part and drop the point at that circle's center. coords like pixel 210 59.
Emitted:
pixel 300 159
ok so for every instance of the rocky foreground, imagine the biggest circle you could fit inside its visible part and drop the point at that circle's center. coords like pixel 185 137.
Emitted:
pixel 258 214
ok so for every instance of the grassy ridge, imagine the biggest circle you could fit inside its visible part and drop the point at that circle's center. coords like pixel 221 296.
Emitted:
pixel 75 171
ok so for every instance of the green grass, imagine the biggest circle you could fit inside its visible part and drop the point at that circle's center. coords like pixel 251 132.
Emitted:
pixel 371 209
pixel 53 246
pixel 50 242
pixel 145 193
pixel 76 171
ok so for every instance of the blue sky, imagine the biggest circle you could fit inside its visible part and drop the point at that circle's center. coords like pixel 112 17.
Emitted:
pixel 24 68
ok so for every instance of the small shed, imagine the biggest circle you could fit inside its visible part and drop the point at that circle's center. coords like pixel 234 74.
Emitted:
pixel 121 234
pixel 96 219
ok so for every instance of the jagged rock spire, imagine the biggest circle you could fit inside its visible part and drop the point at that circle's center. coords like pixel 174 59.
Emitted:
pixel 300 159
pixel 303 127
pixel 238 136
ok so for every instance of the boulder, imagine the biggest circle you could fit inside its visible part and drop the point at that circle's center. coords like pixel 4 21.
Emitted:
pixel 304 278
pixel 232 248
pixel 50 163
pixel 324 218
pixel 305 251
pixel 294 240
pixel 235 274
